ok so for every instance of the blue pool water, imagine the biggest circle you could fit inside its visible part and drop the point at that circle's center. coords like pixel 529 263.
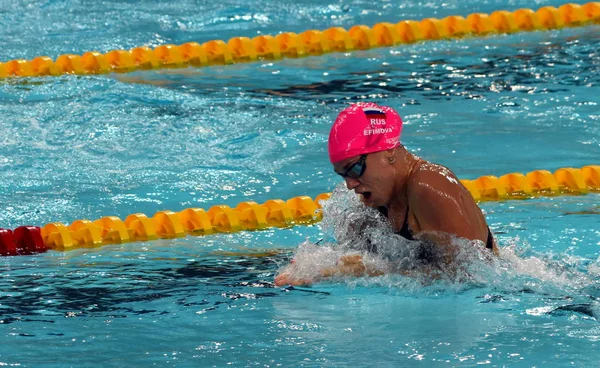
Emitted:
pixel 86 147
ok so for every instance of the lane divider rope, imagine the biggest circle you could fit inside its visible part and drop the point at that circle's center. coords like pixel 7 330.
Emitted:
pixel 273 213
pixel 307 43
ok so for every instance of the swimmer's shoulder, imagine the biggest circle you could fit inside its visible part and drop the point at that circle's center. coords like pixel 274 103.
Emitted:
pixel 428 173
pixel 429 179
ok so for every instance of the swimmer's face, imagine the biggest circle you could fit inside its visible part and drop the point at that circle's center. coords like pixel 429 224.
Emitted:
pixel 375 185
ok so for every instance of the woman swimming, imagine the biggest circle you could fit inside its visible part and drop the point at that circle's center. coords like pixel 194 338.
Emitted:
pixel 422 200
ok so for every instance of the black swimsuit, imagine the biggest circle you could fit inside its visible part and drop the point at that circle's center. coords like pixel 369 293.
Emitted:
pixel 406 233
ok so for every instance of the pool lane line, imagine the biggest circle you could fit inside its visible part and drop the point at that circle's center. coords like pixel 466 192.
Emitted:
pixel 301 210
pixel 307 43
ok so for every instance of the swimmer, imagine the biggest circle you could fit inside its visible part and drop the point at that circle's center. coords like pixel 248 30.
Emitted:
pixel 422 200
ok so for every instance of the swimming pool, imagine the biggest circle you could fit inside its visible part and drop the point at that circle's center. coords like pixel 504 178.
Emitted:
pixel 86 147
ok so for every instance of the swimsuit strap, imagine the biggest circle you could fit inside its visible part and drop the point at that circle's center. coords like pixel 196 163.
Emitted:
pixel 404 231
pixel 489 244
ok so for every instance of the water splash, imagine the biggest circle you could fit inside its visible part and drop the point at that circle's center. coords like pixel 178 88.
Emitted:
pixel 352 229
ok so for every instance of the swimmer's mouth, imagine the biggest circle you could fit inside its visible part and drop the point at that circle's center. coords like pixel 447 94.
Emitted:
pixel 366 195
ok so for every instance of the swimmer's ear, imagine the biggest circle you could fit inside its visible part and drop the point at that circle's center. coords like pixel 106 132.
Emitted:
pixel 391 155
pixel 392 152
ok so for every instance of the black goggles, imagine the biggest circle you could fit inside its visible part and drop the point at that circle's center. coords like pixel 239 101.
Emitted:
pixel 357 169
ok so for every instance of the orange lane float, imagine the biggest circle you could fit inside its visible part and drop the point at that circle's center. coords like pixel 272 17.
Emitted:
pixel 249 216
pixel 308 43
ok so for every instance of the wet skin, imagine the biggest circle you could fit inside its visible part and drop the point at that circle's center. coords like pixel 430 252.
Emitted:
pixel 439 206
pixel 437 201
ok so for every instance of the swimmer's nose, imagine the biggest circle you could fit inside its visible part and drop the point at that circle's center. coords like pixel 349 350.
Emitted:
pixel 351 183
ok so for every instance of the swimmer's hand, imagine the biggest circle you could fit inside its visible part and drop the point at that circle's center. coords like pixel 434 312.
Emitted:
pixel 349 265
pixel 352 265
pixel 287 279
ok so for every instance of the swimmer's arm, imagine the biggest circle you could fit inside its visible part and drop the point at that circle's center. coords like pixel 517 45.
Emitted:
pixel 443 208
pixel 352 265
pixel 348 265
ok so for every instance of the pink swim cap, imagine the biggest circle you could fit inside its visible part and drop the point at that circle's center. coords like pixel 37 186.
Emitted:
pixel 364 128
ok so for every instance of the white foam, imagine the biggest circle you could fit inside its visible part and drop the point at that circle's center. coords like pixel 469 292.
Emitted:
pixel 354 229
